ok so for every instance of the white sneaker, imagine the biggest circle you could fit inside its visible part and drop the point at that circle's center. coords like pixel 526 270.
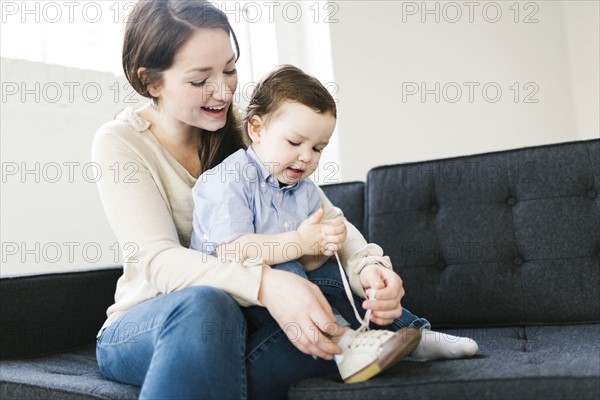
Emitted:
pixel 367 353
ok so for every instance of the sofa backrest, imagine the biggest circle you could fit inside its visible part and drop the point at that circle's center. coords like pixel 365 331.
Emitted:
pixel 510 237
pixel 48 313
pixel 350 198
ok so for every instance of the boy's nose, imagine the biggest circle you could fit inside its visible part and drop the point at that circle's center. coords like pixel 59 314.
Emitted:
pixel 304 156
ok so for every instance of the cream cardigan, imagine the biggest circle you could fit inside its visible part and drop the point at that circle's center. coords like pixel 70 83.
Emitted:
pixel 147 197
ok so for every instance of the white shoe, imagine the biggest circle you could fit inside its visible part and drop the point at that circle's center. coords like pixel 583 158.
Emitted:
pixel 367 353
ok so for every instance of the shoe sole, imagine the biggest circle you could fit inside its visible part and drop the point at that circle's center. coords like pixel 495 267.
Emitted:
pixel 400 345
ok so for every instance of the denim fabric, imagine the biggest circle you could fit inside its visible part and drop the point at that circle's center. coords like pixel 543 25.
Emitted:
pixel 194 344
pixel 198 343
pixel 176 346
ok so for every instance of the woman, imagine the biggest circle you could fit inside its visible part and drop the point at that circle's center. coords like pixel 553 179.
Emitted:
pixel 177 327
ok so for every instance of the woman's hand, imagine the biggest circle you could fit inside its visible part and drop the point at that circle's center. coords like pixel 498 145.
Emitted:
pixel 318 237
pixel 301 311
pixel 386 306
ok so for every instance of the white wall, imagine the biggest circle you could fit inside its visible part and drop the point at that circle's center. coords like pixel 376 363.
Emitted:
pixel 384 49
pixel 374 54
pixel 582 36
pixel 52 218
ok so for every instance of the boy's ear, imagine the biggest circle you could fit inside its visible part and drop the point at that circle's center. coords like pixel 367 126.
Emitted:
pixel 255 124
pixel 142 73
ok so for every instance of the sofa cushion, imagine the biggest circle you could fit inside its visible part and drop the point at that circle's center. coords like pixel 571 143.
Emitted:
pixel 545 362
pixel 505 238
pixel 69 376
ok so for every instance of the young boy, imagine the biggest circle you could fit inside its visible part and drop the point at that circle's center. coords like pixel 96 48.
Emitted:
pixel 259 203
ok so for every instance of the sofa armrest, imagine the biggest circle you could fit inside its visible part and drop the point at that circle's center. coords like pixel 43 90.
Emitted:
pixel 49 313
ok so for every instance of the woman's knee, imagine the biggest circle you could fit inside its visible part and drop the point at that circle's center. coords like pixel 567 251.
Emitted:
pixel 207 304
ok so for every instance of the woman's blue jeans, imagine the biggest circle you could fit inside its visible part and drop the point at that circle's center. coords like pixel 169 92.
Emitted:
pixel 198 343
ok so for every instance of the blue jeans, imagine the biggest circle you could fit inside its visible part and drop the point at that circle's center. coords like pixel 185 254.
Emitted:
pixel 198 343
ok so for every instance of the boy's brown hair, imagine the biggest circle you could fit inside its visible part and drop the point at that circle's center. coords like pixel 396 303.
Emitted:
pixel 288 83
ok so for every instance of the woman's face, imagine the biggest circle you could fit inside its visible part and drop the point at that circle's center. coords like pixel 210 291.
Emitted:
pixel 198 88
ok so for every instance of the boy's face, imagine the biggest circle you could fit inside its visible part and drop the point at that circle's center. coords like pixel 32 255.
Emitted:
pixel 291 142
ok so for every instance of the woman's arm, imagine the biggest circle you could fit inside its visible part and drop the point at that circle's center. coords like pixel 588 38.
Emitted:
pixel 140 211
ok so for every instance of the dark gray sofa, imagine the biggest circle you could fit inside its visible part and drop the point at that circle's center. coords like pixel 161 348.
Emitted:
pixel 502 247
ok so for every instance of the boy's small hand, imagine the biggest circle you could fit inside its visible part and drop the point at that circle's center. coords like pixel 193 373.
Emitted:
pixel 386 307
pixel 310 232
pixel 333 234
pixel 318 237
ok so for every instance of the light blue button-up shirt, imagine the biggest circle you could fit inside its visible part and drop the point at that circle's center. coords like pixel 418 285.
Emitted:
pixel 240 196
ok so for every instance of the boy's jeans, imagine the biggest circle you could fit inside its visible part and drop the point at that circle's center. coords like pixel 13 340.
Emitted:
pixel 328 279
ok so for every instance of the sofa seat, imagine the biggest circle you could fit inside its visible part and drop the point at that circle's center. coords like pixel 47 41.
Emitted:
pixel 65 376
pixel 543 362
pixel 534 362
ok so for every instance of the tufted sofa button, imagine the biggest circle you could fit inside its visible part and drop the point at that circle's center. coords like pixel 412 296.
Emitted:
pixel 592 194
pixel 511 201
pixel 434 208
pixel 518 261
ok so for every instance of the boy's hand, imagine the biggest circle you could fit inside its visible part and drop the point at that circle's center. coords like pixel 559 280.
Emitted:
pixel 333 233
pixel 310 232
pixel 318 237
pixel 386 306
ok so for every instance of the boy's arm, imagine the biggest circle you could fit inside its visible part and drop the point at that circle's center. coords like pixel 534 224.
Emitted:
pixel 271 248
pixel 275 248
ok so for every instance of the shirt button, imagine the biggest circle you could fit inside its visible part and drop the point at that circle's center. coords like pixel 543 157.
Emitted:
pixel 270 180
pixel 262 184
pixel 277 195
pixel 286 225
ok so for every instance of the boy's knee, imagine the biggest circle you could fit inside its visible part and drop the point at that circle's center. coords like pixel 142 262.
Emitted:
pixel 291 266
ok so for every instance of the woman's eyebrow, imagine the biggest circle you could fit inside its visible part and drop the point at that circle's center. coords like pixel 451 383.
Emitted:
pixel 204 69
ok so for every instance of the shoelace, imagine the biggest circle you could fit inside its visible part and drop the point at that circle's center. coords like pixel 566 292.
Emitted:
pixel 370 338
pixel 364 322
